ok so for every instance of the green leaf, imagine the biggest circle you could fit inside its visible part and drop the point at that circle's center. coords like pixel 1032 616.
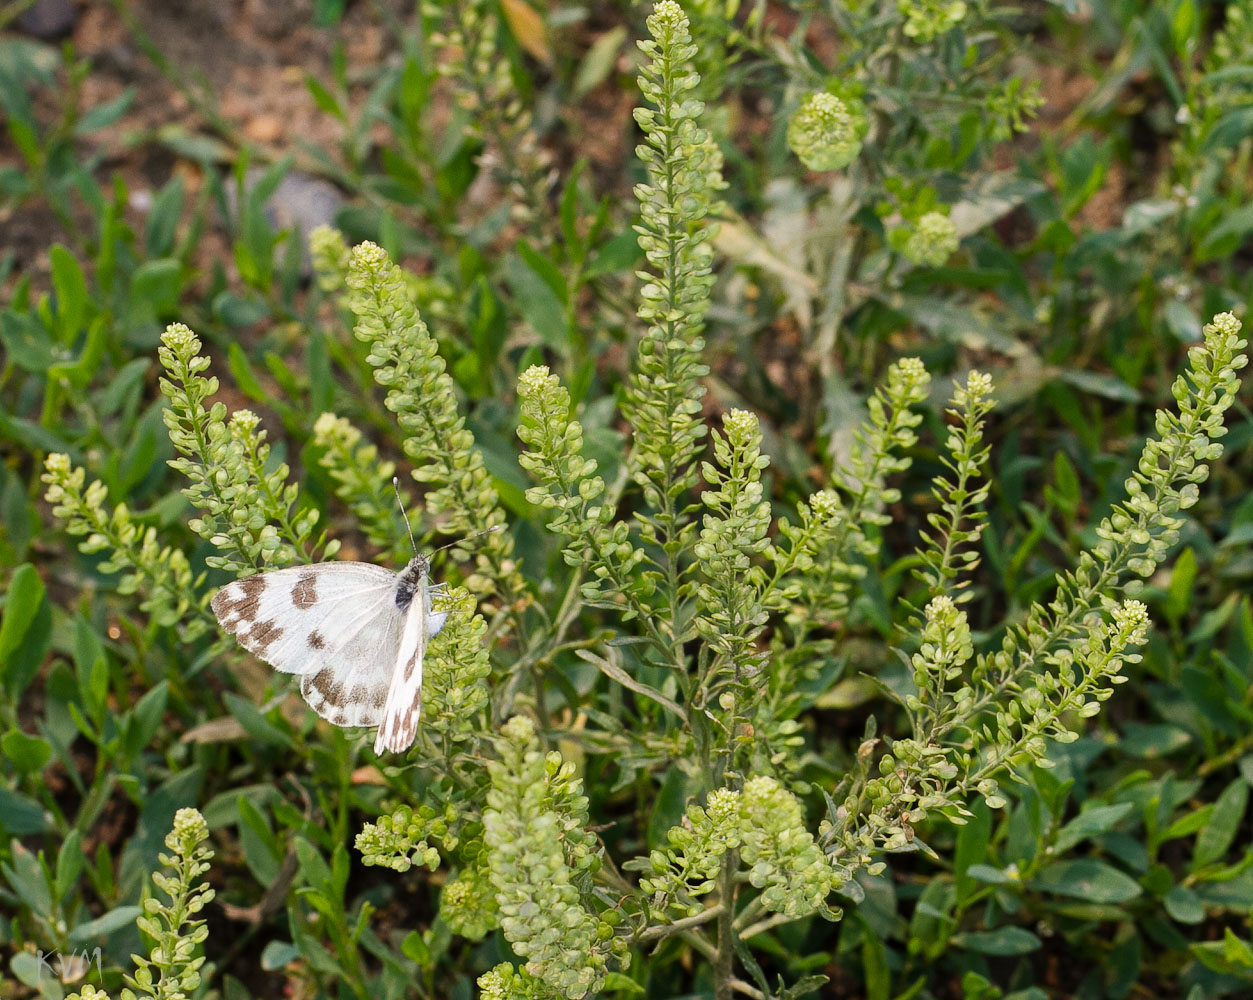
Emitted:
pixel 144 720
pixel 598 63
pixel 874 963
pixel 312 865
pixel 1182 579
pixel 615 672
pixel 972 849
pixel 26 342
pixel 1183 28
pixel 617 255
pixel 1098 384
pixel 71 292
pixel 21 815
pixel 616 982
pixel 1237 951
pixel 26 878
pixel 323 98
pixel 257 725
pixel 668 806
pixel 1002 941
pixel 1184 905
pixel 105 114
pixel 1188 824
pixel 26 753
pixel 1226 237
pixel 1140 739
pixel 236 311
pixel 278 954
pixel 1065 490
pixel 1087 879
pixel 538 301
pixel 25 630
pixel 1216 837
pixel 241 369
pixel 261 851
pixel 91 667
pixel 155 289
pixel 849 693
pixel 326 13
pixel 1090 823
pixel 162 225
pixel 415 949
pixel 988 874
pixel 104 925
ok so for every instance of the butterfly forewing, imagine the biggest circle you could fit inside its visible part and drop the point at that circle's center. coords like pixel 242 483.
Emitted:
pixel 334 624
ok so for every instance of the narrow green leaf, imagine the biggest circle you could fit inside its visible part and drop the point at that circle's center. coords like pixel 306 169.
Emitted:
pixel 104 925
pixel 1182 579
pixel 25 630
pixel 1216 837
pixel 1088 879
pixel 1090 823
pixel 105 114
pixel 70 287
pixel 1002 941
pixel 615 672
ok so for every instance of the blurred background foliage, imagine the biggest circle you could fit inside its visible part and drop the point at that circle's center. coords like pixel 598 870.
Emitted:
pixel 1094 164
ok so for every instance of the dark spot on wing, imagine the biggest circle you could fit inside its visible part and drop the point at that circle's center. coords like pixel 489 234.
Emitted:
pixel 411 666
pixel 339 706
pixel 316 641
pixel 399 732
pixel 261 636
pixel 239 601
pixel 324 695
pixel 305 593
pixel 323 682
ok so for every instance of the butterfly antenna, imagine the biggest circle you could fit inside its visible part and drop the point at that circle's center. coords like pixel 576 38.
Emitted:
pixel 401 504
pixel 466 538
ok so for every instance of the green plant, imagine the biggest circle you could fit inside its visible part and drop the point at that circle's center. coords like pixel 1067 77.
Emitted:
pixel 775 675
pixel 693 597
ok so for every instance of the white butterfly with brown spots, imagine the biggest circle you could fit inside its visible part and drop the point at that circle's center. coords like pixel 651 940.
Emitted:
pixel 355 634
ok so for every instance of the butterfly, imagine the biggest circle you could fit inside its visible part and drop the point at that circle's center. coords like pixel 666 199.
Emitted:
pixel 355 634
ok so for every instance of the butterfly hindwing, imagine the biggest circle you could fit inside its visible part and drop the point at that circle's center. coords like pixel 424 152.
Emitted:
pixel 399 726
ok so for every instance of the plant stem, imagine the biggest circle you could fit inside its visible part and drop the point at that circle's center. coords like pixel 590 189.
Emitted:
pixel 724 960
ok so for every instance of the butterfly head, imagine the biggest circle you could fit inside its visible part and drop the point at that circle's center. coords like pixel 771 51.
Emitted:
pixel 410 580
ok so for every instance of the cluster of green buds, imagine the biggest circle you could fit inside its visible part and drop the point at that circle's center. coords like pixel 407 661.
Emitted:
pixel 161 573
pixel 172 969
pixel 541 860
pixel 677 876
pixel 824 132
pixel 421 393
pixel 454 683
pixel 247 511
pixel 926 20
pixel 784 861
pixel 467 902
pixel 363 481
pixel 402 839
pixel 932 240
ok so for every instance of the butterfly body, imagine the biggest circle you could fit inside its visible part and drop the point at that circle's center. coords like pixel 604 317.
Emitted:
pixel 356 634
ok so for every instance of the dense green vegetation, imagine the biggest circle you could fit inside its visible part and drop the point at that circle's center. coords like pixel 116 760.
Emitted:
pixel 871 615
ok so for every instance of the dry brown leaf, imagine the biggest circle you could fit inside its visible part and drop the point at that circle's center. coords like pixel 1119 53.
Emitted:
pixel 224 730
pixel 529 28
